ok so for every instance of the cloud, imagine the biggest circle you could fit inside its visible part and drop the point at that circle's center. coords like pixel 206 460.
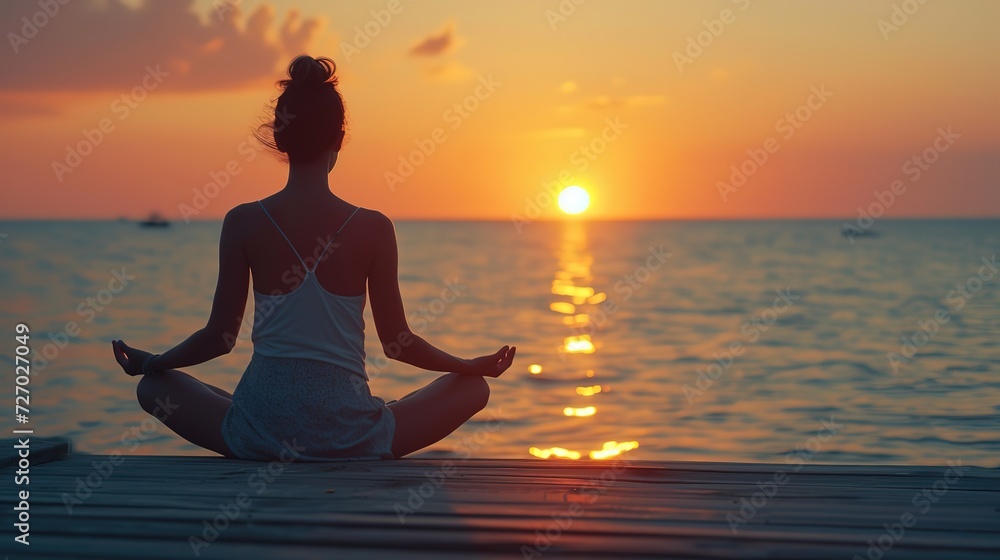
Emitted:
pixel 89 45
pixel 439 43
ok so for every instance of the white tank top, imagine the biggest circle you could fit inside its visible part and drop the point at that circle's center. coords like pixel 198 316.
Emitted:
pixel 310 322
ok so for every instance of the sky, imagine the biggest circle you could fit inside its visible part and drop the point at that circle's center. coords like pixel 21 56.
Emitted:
pixel 724 109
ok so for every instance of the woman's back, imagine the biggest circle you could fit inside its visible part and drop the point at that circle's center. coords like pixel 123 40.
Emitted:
pixel 309 221
pixel 309 321
pixel 310 265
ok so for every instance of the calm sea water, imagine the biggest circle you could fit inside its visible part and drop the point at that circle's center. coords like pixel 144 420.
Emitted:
pixel 722 341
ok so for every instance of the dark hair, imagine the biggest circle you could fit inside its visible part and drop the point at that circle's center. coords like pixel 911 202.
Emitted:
pixel 309 117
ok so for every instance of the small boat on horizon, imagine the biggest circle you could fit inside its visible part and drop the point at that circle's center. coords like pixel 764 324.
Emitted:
pixel 851 232
pixel 154 220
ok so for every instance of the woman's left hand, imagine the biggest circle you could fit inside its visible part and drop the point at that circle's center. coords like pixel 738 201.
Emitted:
pixel 131 359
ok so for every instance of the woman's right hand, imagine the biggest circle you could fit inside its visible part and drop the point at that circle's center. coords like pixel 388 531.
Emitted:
pixel 492 365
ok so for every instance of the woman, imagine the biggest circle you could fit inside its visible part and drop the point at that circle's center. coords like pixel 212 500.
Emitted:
pixel 305 390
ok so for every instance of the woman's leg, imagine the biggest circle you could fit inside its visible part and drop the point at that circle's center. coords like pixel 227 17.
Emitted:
pixel 406 396
pixel 192 409
pixel 217 391
pixel 429 414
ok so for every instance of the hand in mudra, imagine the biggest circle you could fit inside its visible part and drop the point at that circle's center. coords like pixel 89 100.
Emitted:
pixel 130 359
pixel 494 364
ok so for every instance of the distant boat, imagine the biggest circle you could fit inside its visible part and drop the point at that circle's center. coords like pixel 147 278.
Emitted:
pixel 154 220
pixel 851 232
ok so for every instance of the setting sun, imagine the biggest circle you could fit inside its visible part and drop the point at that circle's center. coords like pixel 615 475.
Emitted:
pixel 573 200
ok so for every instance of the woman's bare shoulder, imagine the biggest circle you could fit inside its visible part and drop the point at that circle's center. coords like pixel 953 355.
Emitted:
pixel 376 220
pixel 236 217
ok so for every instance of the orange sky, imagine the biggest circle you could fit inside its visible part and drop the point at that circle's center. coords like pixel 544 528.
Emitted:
pixel 618 97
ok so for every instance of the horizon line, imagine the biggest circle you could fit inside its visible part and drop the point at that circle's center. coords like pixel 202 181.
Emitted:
pixel 563 219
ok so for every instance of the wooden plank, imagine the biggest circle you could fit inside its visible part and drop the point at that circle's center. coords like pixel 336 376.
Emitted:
pixel 40 450
pixel 265 542
pixel 150 506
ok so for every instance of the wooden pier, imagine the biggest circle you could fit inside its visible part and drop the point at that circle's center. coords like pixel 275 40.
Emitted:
pixel 135 506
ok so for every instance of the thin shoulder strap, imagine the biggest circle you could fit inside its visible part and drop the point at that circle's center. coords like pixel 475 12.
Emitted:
pixel 330 242
pixel 283 235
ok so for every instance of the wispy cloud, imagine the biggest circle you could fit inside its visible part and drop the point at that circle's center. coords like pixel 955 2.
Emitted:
pixel 108 45
pixel 439 43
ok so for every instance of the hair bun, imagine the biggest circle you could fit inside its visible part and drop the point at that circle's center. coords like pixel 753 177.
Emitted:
pixel 308 71
pixel 308 119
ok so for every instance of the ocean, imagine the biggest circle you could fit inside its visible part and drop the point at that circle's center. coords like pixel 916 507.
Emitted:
pixel 763 341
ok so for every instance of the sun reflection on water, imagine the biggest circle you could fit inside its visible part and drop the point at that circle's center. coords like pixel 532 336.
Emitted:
pixel 576 300
pixel 608 450
pixel 558 452
pixel 563 307
pixel 589 391
pixel 613 448
pixel 585 411
pixel 579 344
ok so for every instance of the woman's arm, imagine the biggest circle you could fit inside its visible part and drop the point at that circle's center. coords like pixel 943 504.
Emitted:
pixel 398 341
pixel 219 336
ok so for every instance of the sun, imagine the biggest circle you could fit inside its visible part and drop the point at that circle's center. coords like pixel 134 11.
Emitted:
pixel 573 200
